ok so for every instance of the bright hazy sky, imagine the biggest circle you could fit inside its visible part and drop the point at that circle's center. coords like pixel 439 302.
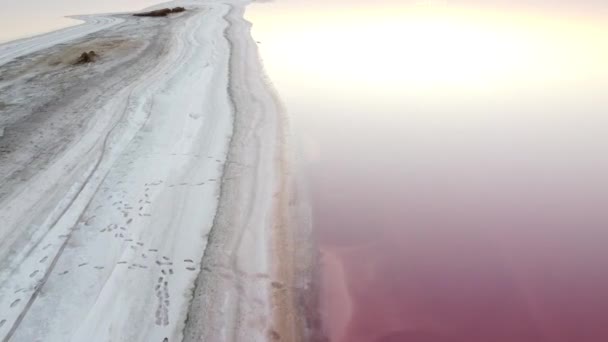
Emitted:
pixel 26 17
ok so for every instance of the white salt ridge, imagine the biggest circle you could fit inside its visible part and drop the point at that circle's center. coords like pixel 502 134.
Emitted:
pixel 116 255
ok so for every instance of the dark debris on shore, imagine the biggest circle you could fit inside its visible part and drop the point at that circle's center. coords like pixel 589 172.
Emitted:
pixel 161 12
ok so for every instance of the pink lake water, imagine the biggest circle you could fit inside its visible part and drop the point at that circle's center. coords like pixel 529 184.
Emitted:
pixel 457 157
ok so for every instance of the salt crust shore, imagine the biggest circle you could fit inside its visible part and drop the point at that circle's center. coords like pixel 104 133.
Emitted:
pixel 147 196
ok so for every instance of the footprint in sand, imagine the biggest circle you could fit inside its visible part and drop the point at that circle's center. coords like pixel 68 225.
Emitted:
pixel 162 310
pixel 15 302
pixel 277 285
pixel 83 264
pixel 2 322
pixel 188 260
pixel 64 273
pixel 34 273
pixel 275 335
pixel 43 259
pixel 190 268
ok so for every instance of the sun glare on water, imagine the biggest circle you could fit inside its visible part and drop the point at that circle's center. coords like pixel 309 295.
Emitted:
pixel 438 47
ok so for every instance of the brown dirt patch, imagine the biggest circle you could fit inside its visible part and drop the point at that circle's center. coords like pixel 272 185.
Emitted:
pixel 110 48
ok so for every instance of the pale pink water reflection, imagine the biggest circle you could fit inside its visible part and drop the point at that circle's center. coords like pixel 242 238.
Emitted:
pixel 457 156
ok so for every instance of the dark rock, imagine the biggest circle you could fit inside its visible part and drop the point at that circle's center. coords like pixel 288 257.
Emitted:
pixel 160 13
pixel 87 57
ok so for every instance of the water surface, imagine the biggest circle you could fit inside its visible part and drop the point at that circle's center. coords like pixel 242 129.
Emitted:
pixel 23 18
pixel 457 155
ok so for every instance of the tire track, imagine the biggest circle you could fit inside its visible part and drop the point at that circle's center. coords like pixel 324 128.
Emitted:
pixel 104 144
pixel 142 85
pixel 80 217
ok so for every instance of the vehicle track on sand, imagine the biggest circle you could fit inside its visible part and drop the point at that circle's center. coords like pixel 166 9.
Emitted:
pixel 139 85
pixel 148 216
pixel 51 267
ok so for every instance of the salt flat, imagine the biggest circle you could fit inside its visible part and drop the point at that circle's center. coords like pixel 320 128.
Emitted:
pixel 144 197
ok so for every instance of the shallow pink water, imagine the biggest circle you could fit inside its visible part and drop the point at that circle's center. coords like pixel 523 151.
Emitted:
pixel 449 209
pixel 473 269
pixel 464 237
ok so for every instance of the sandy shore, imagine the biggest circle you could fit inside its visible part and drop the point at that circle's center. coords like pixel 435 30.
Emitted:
pixel 147 196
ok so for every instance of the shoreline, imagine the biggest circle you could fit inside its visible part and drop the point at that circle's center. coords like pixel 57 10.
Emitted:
pixel 172 116
pixel 256 290
pixel 89 24
pixel 68 22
